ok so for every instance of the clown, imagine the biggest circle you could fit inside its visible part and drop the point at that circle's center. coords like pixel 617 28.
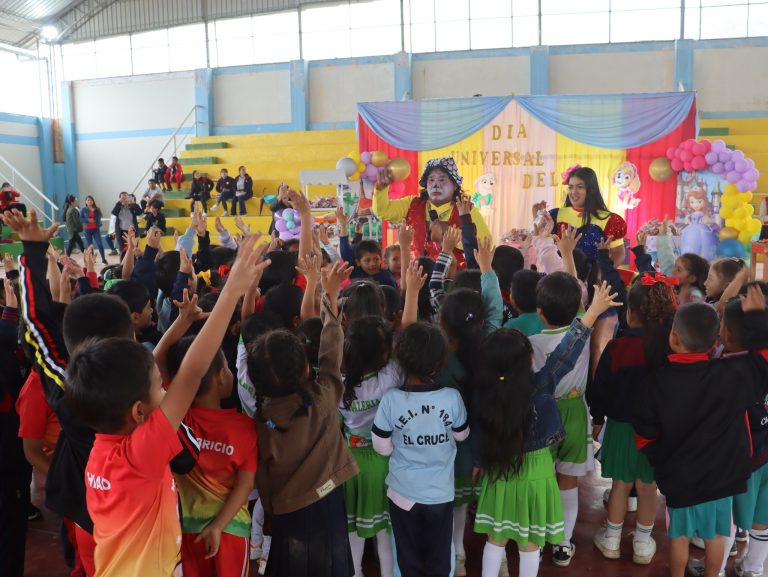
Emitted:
pixel 441 187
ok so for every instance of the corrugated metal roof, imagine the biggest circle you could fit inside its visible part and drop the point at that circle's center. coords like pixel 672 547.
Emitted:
pixel 35 10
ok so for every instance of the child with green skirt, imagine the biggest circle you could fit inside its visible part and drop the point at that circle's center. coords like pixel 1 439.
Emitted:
pixel 369 372
pixel 517 420
pixel 624 365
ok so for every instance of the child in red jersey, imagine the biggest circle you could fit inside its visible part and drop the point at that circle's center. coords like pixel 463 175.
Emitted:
pixel 214 495
pixel 130 491
pixel 38 425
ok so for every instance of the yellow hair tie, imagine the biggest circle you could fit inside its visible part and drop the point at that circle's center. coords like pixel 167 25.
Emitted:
pixel 206 276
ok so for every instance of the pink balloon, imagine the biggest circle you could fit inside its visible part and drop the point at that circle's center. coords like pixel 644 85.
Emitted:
pixel 689 144
pixel 718 146
pixel 365 157
pixel 707 145
pixel 688 167
pixel 743 186
pixel 711 157
pixel 372 173
pixel 733 176
pixel 677 164
pixel 671 152
pixel 686 155
pixel 397 189
pixel 718 168
pixel 699 163
pixel 698 149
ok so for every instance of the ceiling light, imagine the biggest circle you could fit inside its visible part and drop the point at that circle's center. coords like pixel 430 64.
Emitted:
pixel 49 32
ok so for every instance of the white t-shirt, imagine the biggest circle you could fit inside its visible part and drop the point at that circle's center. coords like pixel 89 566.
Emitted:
pixel 358 419
pixel 574 383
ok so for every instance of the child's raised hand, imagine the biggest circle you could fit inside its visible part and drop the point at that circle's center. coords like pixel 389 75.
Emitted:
pixel 642 236
pixel 10 295
pixel 451 238
pixel 175 237
pixel 153 238
pixel 332 276
pixel 568 241
pixel 274 242
pixel 189 312
pixel 405 236
pixel 299 202
pixel 664 226
pixel 71 266
pixel 309 266
pixel 202 225
pixel 322 234
pixel 539 206
pixel 464 205
pixel 415 277
pixel 343 221
pixel 89 259
pixel 385 179
pixel 605 244
pixel 543 227
pixel 484 254
pixel 220 226
pixel 602 300
pixel 242 226
pixel 754 300
pixel 9 264
pixel 185 262
pixel 29 228
pixel 212 537
pixel 248 265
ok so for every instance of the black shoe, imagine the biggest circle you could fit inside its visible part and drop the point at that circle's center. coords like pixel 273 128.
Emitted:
pixel 741 535
pixel 562 554
pixel 34 514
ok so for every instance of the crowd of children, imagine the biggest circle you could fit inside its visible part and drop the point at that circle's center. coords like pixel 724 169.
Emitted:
pixel 196 409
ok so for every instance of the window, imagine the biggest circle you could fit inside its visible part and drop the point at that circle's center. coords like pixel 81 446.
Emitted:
pixel 234 41
pixel 186 47
pixel 375 27
pixel 79 60
pixel 651 20
pixel 325 32
pixel 276 37
pixel 758 19
pixel 113 57
pixel 24 73
pixel 150 52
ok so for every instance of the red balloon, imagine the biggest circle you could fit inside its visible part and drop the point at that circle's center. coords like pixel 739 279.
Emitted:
pixel 699 163
pixel 686 155
pixel 671 152
pixel 677 164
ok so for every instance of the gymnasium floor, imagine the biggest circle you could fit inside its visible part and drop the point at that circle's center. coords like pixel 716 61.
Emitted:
pixel 44 558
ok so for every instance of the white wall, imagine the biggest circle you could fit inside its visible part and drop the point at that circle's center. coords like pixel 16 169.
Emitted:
pixel 612 72
pixel 108 113
pixel 25 158
pixel 464 77
pixel 335 90
pixel 731 79
pixel 252 98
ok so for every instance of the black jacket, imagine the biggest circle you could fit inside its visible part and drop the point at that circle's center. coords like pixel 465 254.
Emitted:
pixel 226 184
pixel 691 420
pixel 201 188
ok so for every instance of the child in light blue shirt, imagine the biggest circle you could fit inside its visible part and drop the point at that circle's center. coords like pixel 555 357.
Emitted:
pixel 418 425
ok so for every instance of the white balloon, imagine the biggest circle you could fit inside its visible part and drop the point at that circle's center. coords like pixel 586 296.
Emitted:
pixel 348 165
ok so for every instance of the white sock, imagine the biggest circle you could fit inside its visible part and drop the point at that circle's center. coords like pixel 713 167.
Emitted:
pixel 257 524
pixel 728 541
pixel 384 548
pixel 459 523
pixel 613 530
pixel 642 532
pixel 529 563
pixel 357 544
pixel 493 557
pixel 570 499
pixel 757 551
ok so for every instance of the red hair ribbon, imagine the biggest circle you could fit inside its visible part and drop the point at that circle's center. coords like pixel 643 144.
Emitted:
pixel 223 271
pixel 649 279
pixel 568 171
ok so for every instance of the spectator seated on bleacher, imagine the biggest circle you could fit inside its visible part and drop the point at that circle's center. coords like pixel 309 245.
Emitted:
pixel 153 193
pixel 154 217
pixel 9 199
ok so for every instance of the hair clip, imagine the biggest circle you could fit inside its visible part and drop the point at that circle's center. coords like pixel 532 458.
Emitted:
pixel 271 424
pixel 501 377
pixel 307 341
pixel 470 316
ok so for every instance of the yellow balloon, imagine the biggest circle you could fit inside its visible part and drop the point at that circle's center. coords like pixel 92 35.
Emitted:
pixel 354 156
pixel 726 212
pixel 730 189
pixel 729 233
pixel 360 167
pixel 741 212
pixel 741 224
pixel 755 225
pixel 378 158
pixel 750 209
pixel 746 196
pixel 660 169
pixel 400 168
pixel 731 222
pixel 745 236
pixel 730 201
pixel 355 176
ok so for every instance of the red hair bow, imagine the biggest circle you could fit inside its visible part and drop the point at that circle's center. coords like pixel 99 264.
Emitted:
pixel 224 271
pixel 568 171
pixel 652 279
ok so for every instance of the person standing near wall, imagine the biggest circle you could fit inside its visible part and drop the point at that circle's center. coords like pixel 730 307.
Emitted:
pixel 74 224
pixel 126 213
pixel 91 215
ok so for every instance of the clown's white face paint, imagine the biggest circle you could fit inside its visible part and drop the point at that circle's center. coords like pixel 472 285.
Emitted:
pixel 440 187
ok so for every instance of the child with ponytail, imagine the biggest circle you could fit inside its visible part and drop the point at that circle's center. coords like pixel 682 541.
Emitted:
pixel 303 459
pixel 369 373
pixel 517 421
pixel 623 366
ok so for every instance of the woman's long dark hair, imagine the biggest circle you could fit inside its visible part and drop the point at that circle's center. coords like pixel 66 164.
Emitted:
pixel 654 306
pixel 367 347
pixel 504 387
pixel 462 316
pixel 594 205
pixel 95 206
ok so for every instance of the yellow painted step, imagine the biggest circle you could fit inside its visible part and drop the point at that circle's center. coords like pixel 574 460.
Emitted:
pixel 234 157
pixel 264 170
pixel 738 126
